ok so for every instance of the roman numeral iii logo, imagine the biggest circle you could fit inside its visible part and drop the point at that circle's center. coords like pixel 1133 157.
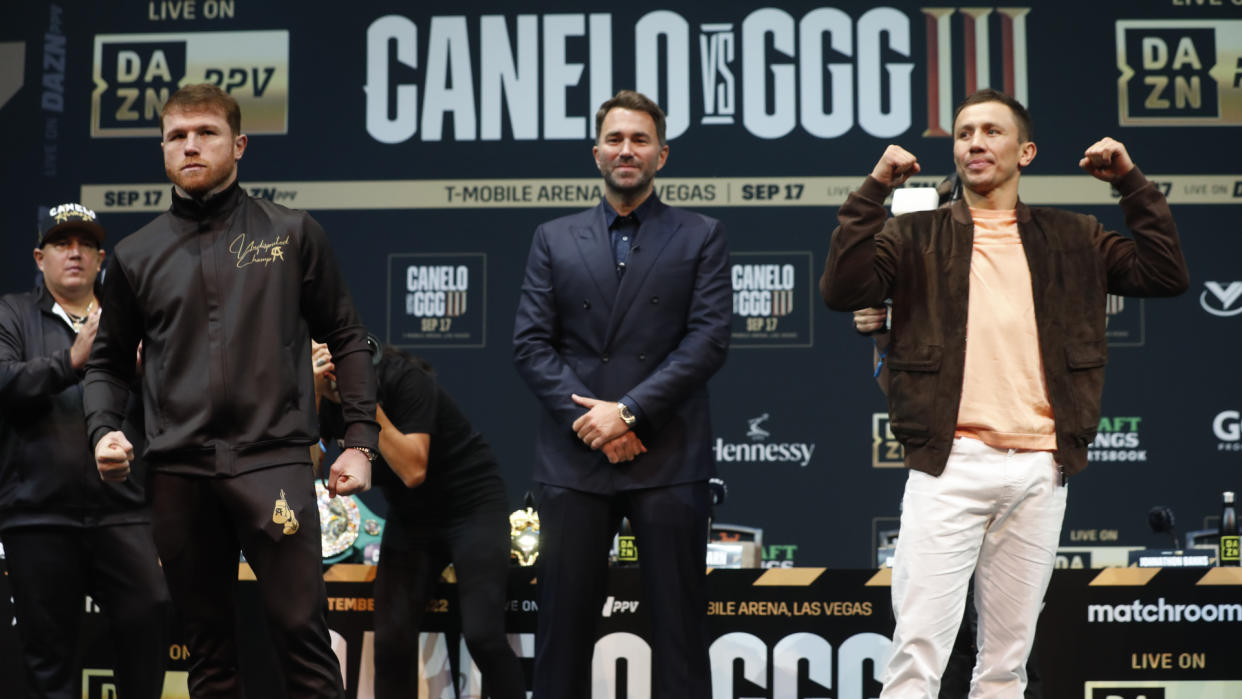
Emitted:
pixel 977 55
pixel 1223 299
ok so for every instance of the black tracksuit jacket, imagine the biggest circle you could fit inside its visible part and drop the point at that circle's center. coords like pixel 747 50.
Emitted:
pixel 47 470
pixel 225 295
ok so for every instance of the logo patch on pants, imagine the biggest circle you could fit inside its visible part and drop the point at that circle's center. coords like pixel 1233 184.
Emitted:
pixel 283 514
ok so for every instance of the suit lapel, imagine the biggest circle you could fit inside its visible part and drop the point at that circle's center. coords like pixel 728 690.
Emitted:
pixel 595 247
pixel 653 237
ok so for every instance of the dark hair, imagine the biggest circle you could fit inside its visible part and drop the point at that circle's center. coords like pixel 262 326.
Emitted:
pixel 393 360
pixel 1026 128
pixel 201 97
pixel 423 364
pixel 636 101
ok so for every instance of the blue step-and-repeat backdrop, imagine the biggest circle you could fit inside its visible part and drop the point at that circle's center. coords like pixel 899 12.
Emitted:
pixel 431 138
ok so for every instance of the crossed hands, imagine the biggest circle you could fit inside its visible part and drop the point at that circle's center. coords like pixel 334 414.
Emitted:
pixel 602 428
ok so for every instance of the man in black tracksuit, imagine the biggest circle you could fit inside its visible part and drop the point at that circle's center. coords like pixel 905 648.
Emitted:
pixel 224 292
pixel 66 533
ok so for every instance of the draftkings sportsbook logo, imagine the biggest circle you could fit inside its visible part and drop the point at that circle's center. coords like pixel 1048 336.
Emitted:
pixel 1117 440
pixel 437 300
pixel 1179 72
pixel 770 299
pixel 136 73
pixel 760 450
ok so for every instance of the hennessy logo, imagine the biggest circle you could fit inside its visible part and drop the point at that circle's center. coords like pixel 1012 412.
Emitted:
pixel 283 514
pixel 759 450
pixel 754 431
pixel 250 252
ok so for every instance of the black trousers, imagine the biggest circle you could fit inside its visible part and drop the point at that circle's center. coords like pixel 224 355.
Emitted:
pixel 200 523
pixel 576 529
pixel 411 558
pixel 51 569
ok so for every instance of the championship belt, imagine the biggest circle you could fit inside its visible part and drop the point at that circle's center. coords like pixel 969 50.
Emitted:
pixel 349 531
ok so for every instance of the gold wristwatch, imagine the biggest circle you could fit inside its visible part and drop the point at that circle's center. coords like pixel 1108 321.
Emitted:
pixel 626 416
pixel 367 452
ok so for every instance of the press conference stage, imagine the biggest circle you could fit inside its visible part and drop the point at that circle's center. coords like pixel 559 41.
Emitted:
pixel 782 633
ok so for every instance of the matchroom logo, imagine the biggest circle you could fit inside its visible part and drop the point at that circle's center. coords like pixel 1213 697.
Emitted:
pixel 136 73
pixel 1179 73
pixel 1162 612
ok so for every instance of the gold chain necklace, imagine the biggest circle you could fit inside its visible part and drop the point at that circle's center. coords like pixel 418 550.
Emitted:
pixel 78 321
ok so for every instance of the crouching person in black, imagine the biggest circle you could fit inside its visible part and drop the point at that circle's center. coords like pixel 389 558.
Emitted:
pixel 447 504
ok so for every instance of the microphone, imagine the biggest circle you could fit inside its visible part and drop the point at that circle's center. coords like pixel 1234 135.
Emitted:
pixel 376 347
pixel 1160 519
pixel 718 490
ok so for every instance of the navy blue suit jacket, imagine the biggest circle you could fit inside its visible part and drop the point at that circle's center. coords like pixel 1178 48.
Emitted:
pixel 656 335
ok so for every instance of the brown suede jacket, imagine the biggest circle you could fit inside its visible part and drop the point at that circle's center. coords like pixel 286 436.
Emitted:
pixel 922 262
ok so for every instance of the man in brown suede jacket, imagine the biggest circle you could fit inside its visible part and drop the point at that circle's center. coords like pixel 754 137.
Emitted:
pixel 996 371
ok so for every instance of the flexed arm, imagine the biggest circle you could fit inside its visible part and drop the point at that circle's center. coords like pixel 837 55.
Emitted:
pixel 859 268
pixel 1151 263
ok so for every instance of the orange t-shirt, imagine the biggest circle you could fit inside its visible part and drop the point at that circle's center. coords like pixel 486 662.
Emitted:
pixel 1004 396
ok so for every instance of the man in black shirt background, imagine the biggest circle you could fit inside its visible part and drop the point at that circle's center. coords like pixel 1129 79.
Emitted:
pixel 446 504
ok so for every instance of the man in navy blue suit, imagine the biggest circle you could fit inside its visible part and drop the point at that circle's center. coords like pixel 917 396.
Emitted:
pixel 624 316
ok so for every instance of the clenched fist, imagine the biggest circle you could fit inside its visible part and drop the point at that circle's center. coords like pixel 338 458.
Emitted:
pixel 896 166
pixel 1106 160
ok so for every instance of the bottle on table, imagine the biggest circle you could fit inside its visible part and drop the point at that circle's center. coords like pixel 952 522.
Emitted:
pixel 1228 532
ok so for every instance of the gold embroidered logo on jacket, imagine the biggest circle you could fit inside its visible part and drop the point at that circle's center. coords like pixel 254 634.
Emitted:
pixel 249 252
pixel 283 514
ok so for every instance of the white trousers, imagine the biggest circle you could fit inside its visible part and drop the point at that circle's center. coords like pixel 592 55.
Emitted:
pixel 995 513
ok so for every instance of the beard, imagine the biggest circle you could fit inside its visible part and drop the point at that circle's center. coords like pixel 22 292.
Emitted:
pixel 629 188
pixel 200 183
